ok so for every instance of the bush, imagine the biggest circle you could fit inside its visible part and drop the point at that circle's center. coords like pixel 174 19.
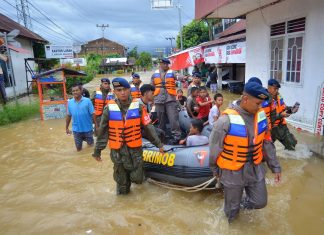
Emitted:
pixel 119 71
pixel 16 113
pixel 71 81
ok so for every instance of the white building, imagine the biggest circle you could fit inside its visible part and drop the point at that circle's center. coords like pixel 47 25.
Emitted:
pixel 284 40
pixel 27 39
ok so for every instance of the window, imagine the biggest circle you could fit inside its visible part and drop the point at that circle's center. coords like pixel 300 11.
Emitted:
pixel 295 45
pixel 286 50
pixel 276 58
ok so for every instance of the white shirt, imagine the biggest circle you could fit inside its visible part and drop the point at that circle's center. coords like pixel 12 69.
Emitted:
pixel 214 112
pixel 194 140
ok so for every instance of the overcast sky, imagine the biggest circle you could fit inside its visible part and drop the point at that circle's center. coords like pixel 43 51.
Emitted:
pixel 131 22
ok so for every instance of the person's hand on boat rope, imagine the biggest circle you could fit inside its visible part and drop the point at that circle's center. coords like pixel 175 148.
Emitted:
pixel 161 150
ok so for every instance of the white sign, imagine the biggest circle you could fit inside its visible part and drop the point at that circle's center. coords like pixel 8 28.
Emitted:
pixel 319 128
pixel 54 111
pixel 59 52
pixel 161 4
pixel 229 53
pixel 75 62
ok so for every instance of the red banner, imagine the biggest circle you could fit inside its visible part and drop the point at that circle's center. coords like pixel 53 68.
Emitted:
pixel 186 58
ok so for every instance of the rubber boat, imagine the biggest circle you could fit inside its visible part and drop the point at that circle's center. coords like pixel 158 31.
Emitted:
pixel 179 165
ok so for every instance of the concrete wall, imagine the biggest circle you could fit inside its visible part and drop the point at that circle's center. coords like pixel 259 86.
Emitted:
pixel 19 67
pixel 312 74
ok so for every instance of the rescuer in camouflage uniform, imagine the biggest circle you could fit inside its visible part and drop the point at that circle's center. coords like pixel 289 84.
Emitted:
pixel 128 162
pixel 279 128
pixel 104 94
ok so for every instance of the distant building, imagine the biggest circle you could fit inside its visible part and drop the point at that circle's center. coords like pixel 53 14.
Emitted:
pixel 102 46
pixel 109 65
pixel 27 39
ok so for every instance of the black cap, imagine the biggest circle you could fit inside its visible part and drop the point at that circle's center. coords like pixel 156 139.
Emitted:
pixel 165 60
pixel 105 80
pixel 274 82
pixel 256 90
pixel 120 82
pixel 255 79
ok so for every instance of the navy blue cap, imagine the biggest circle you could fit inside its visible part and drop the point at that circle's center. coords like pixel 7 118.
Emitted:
pixel 165 60
pixel 120 82
pixel 105 80
pixel 273 82
pixel 198 75
pixel 255 79
pixel 135 75
pixel 256 90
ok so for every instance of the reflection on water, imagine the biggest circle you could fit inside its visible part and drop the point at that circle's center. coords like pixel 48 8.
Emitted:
pixel 49 188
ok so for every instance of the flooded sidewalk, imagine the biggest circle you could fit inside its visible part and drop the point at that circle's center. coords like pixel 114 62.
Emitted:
pixel 49 188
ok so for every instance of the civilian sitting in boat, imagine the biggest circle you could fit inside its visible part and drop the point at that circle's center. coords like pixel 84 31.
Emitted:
pixel 195 137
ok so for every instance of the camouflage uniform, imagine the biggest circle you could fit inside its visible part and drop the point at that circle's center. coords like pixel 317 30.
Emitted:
pixel 281 131
pixel 104 96
pixel 128 162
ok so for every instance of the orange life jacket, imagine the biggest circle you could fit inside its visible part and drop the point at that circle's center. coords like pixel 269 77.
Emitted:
pixel 99 103
pixel 169 83
pixel 268 107
pixel 135 92
pixel 280 107
pixel 126 129
pixel 237 149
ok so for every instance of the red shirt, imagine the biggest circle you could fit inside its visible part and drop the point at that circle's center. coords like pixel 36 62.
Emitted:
pixel 203 110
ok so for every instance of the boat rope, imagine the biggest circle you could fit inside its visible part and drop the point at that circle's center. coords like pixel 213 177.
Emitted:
pixel 200 187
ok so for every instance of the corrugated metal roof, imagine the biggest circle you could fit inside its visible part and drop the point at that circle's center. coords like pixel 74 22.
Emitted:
pixel 7 25
pixel 67 72
pixel 224 40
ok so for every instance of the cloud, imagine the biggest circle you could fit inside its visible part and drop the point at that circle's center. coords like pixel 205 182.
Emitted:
pixel 131 22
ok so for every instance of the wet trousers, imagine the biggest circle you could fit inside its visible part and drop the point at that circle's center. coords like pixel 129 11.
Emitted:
pixel 282 133
pixel 256 198
pixel 169 111
pixel 128 168
pixel 2 89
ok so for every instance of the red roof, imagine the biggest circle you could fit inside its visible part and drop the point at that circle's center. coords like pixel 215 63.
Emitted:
pixel 235 28
pixel 224 40
pixel 7 25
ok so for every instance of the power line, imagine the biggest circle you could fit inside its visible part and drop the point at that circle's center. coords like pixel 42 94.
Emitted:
pixel 43 30
pixel 23 13
pixel 103 27
pixel 69 34
pixel 37 21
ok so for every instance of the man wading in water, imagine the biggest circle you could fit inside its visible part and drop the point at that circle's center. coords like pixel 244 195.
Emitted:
pixel 121 123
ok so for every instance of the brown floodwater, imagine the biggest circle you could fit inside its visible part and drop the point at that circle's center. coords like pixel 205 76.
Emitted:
pixel 49 188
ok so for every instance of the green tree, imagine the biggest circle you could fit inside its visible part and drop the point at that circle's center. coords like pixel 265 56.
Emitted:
pixel 133 53
pixel 113 55
pixel 193 34
pixel 210 24
pixel 144 60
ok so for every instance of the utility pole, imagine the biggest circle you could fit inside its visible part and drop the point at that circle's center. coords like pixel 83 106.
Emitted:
pixel 23 13
pixel 180 24
pixel 103 27
pixel 171 38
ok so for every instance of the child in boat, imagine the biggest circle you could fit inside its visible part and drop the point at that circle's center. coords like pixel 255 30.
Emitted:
pixel 205 103
pixel 192 106
pixel 181 99
pixel 214 111
pixel 195 138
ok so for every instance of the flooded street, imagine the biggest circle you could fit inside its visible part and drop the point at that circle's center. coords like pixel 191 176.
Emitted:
pixel 49 188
